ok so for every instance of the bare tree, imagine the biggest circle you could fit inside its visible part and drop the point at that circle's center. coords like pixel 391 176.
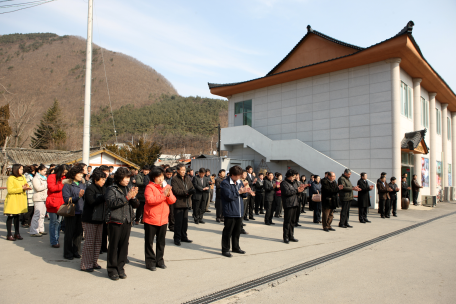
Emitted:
pixel 22 113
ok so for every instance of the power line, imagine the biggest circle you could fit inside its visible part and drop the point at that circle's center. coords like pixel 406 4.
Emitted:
pixel 30 5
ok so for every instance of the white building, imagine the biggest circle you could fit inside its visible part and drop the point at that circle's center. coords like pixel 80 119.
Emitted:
pixel 329 105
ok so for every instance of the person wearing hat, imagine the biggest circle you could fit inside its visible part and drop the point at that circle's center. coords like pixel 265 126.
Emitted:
pixel 393 196
pixel 142 180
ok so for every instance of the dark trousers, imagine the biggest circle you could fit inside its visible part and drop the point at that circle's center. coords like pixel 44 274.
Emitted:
pixel 415 197
pixel 344 213
pixel 199 207
pixel 298 210
pixel 181 224
pixel 289 222
pixel 26 218
pixel 218 207
pixel 328 215
pixel 394 204
pixel 268 205
pixel 139 211
pixel 104 238
pixel 317 212
pixel 231 231
pixel 250 206
pixel 362 213
pixel 152 259
pixel 9 222
pixel 73 236
pixel 303 201
pixel 259 199
pixel 278 206
pixel 119 236
pixel 384 207
pixel 171 217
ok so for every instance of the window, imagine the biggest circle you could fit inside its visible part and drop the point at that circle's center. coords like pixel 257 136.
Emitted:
pixel 407 159
pixel 406 100
pixel 438 121
pixel 424 113
pixel 243 113
pixel 449 128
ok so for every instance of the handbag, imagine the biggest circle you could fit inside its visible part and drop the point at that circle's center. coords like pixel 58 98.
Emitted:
pixel 316 197
pixel 67 210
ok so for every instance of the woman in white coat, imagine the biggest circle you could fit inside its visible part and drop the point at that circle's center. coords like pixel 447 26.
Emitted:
pixel 39 200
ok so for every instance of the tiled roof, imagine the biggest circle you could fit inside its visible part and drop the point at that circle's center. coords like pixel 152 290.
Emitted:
pixel 407 30
pixel 411 140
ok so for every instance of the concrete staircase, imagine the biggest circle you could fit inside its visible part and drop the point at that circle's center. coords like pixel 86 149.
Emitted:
pixel 290 149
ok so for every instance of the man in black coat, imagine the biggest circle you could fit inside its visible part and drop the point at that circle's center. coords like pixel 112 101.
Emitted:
pixel 200 196
pixel 363 198
pixel 218 197
pixel 415 189
pixel 329 194
pixel 393 195
pixel 142 180
pixel 268 186
pixel 290 204
pixel 259 194
pixel 405 189
pixel 250 198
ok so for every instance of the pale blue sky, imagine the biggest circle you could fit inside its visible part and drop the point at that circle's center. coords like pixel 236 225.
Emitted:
pixel 195 42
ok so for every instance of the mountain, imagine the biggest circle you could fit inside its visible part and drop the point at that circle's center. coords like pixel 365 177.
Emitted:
pixel 36 69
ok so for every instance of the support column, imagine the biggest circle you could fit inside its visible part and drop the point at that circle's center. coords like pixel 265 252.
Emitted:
pixel 433 146
pixel 453 146
pixel 417 123
pixel 396 115
pixel 445 145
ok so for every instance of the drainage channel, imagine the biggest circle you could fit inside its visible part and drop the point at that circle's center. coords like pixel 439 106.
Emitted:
pixel 300 267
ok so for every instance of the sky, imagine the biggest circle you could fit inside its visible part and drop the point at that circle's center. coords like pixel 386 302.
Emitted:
pixel 195 42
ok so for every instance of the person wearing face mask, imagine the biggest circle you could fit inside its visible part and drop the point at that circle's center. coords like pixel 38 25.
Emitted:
pixel 156 211
pixel 120 201
pixel 74 188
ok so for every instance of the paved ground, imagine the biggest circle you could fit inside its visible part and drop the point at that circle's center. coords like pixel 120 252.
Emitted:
pixel 417 266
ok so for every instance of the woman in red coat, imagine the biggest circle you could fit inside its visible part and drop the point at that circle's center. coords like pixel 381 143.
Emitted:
pixel 156 211
pixel 53 202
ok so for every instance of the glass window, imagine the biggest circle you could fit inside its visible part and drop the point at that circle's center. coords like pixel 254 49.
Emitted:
pixel 424 113
pixel 406 100
pixel 244 108
pixel 438 121
pixel 449 128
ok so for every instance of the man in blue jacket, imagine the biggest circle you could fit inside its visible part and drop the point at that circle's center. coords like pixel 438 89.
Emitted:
pixel 232 192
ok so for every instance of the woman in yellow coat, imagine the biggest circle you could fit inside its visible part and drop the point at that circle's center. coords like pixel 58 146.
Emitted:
pixel 16 201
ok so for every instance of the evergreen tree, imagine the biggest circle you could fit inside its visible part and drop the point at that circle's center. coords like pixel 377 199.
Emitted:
pixel 142 153
pixel 50 132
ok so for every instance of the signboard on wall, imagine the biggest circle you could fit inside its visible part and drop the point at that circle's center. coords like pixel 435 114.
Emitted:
pixel 424 172
pixel 439 173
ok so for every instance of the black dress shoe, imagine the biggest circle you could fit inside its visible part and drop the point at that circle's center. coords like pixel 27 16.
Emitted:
pixel 327 230
pixel 122 276
pixel 332 229
pixel 239 251
pixel 267 223
pixel 152 268
pixel 256 213
pixel 367 221
pixel 246 219
pixel 177 243
pixel 196 222
pixel 271 223
pixel 294 240
pixel 387 216
pixel 97 267
pixel 342 226
pixel 348 226
pixel 251 218
pixel 162 266
pixel 69 258
pixel 227 254
pixel 217 220
pixel 304 212
pixel 286 241
pixel 243 225
pixel 127 261
pixel 208 210
pixel 261 212
pixel 244 232
pixel 114 277
pixel 362 222
pixel 202 222
pixel 382 216
pixel 395 215
pixel 87 270
pixel 187 241
pixel 297 225
pixel 77 255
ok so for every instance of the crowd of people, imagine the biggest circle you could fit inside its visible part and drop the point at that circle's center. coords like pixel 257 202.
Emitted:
pixel 105 205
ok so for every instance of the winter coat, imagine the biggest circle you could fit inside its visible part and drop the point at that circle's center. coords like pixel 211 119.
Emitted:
pixel 120 210
pixel 71 189
pixel 315 189
pixel 405 192
pixel 218 181
pixel 29 178
pixel 268 190
pixel 199 186
pixel 54 194
pixel 329 192
pixel 346 194
pixel 156 208
pixel 289 194
pixel 232 201
pixel 141 182
pixel 259 189
pixel 40 188
pixel 363 195
pixel 382 190
pixel 250 179
pixel 16 199
pixel 94 211
pixel 278 191
pixel 395 188
pixel 182 190
pixel 415 186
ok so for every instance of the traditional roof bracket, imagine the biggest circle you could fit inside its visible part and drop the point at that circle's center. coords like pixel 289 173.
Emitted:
pixel 414 142
pixel 309 29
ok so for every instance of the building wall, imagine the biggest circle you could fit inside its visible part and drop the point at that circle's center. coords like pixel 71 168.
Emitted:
pixel 345 115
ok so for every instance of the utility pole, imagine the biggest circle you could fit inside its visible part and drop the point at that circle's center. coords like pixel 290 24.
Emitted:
pixel 219 141
pixel 88 88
